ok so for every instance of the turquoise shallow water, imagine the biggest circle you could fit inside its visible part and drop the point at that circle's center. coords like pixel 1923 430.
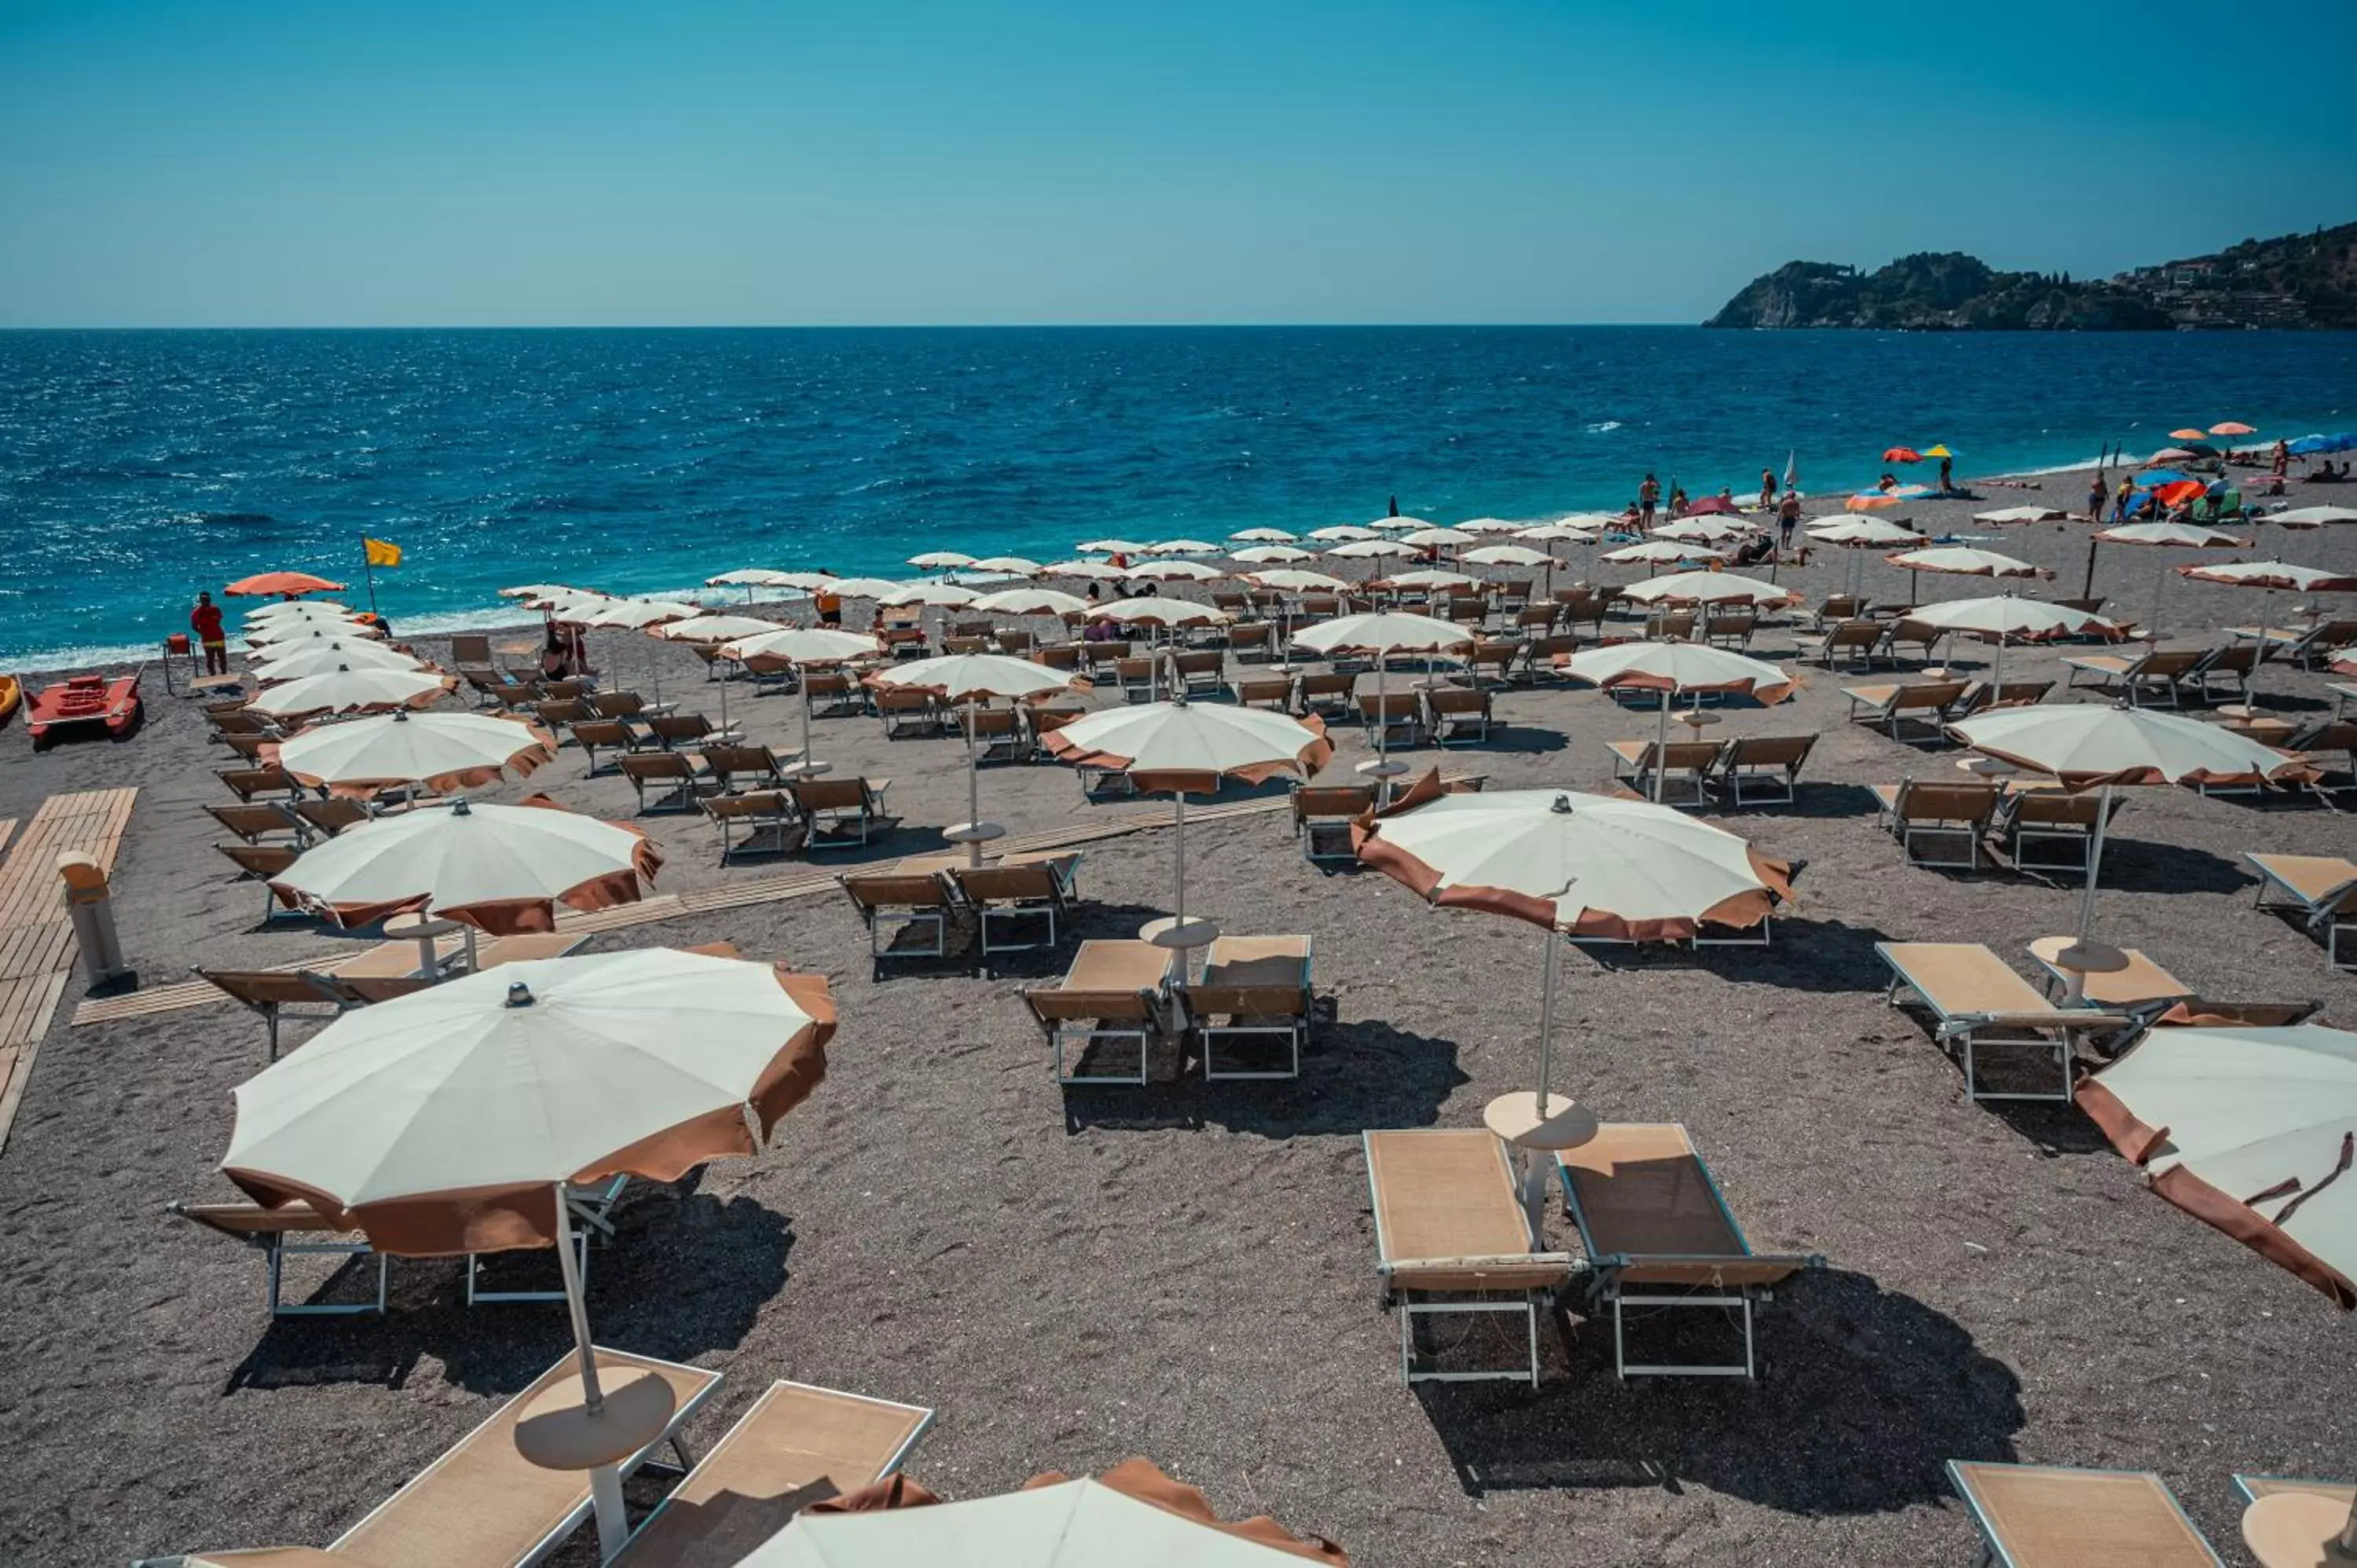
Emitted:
pixel 136 468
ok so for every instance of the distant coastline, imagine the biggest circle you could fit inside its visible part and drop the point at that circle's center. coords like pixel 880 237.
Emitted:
pixel 2292 283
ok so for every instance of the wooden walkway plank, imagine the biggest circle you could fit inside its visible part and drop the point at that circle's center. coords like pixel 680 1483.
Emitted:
pixel 37 941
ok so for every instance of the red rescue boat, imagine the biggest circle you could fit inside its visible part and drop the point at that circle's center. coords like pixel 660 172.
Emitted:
pixel 86 700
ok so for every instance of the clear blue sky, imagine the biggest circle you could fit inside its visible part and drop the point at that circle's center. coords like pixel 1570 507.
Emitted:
pixel 694 161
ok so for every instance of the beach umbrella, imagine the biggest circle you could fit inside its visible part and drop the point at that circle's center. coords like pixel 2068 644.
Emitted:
pixel 346 690
pixel 796 648
pixel 1133 1514
pixel 1189 748
pixel 441 752
pixel 1162 615
pixel 1676 669
pixel 1937 452
pixel 1902 455
pixel 316 628
pixel 2171 455
pixel 1374 549
pixel 2312 516
pixel 1707 588
pixel 2270 577
pixel 1111 547
pixel 808 582
pixel 1487 525
pixel 277 584
pixel 968 680
pixel 298 609
pixel 2089 745
pixel 921 595
pixel 1958 561
pixel 865 587
pixel 1173 572
pixel 1183 547
pixel 941 560
pixel 1659 552
pixel 1591 866
pixel 1013 565
pixel 451 1120
pixel 639 615
pixel 2250 1130
pixel 1859 534
pixel 1262 536
pixel 1292 582
pixel 1438 538
pixel 1506 556
pixel 317 656
pixel 537 591
pixel 2154 478
pixel 2188 433
pixel 1428 578
pixel 1099 570
pixel 2022 514
pixel 1030 602
pixel 2003 619
pixel 502 869
pixel 1272 554
pixel 1571 533
pixel 2232 427
pixel 1717 529
pixel 1400 524
pixel 1381 635
pixel 1343 532
pixel 2167 535
pixel 712 630
pixel 749 578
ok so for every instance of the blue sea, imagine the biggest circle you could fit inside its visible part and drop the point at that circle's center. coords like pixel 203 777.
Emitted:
pixel 136 468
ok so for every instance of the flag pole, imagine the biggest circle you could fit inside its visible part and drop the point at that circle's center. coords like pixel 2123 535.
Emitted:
pixel 367 568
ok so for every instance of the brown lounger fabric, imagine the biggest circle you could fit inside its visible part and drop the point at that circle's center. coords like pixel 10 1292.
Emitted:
pixel 1643 1192
pixel 2045 1518
pixel 1447 1195
pixel 798 1445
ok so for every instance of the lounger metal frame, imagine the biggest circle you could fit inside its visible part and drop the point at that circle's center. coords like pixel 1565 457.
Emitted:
pixel 275 1245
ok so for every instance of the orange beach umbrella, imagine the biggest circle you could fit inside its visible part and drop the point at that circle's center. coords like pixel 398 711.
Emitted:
pixel 273 584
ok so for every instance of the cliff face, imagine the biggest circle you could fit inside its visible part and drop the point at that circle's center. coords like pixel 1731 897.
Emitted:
pixel 1935 292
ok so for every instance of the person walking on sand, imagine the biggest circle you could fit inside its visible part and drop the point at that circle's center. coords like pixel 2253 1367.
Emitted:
pixel 205 621
pixel 1649 496
pixel 1767 489
pixel 2280 459
pixel 2095 494
pixel 1947 475
pixel 1788 517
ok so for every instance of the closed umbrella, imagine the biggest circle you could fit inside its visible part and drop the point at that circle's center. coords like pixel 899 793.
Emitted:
pixel 2251 1130
pixel 2167 536
pixel 452 1119
pixel 441 752
pixel 1590 866
pixel 308 655
pixel 347 690
pixel 1380 636
pixel 967 680
pixel 1191 748
pixel 502 869
pixel 1679 668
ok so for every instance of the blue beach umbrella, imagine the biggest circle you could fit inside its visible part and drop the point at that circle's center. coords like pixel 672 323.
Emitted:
pixel 2309 446
pixel 2151 477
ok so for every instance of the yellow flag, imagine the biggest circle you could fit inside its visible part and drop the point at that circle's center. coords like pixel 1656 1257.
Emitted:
pixel 382 552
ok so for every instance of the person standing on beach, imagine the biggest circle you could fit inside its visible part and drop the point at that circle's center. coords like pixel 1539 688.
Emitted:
pixel 1677 501
pixel 2120 499
pixel 830 608
pixel 1767 489
pixel 2280 459
pixel 2095 493
pixel 1649 496
pixel 1788 517
pixel 1947 475
pixel 205 621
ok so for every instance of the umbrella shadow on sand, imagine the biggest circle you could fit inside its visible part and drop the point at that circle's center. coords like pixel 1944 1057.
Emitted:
pixel 684 1275
pixel 1807 955
pixel 1354 1076
pixel 1865 1394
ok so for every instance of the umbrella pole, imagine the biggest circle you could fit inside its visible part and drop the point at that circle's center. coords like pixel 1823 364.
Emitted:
pixel 2095 862
pixel 1660 745
pixel 1179 842
pixel 1996 673
pixel 605 1481
pixel 802 683
pixel 2266 629
pixel 1547 1017
pixel 972 789
pixel 2158 583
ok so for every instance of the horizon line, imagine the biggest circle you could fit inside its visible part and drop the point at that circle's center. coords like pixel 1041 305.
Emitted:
pixel 813 326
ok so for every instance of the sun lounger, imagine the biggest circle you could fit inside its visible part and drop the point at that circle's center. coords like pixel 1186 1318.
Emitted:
pixel 831 693
pixel 612 735
pixel 1399 712
pixel 1455 715
pixel 1898 701
pixel 797 1445
pixel 268 993
pixel 1684 763
pixel 2254 1488
pixel 249 748
pixel 1322 815
pixel 1327 692
pixel 843 812
pixel 2303 650
pixel 1137 677
pixel 1199 672
pixel 1272 692
pixel 589 1206
pixel 1453 1237
pixel 2230 661
pixel 1858 641
pixel 331 816
pixel 626 705
pixel 1658 1234
pixel 1976 1002
pixel 1934 811
pixel 733 767
pixel 2320 888
pixel 1036 895
pixel 1253 988
pixel 768 819
pixel 251 784
pixel 907 913
pixel 2142 982
pixel 1839 608
pixel 1112 993
pixel 666 781
pixel 2041 1516
pixel 278 1233
pixel 691 732
pixel 260 823
pixel 2150 675
pixel 906 712
pixel 1730 627
pixel 1759 768
pixel 997 734
pixel 261 862
pixel 2037 815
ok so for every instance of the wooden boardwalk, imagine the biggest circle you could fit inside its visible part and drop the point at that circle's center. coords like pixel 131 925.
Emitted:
pixel 36 943
pixel 800 883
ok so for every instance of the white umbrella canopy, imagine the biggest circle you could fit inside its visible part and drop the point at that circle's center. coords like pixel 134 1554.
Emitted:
pixel 1183 746
pixel 1588 864
pixel 1293 582
pixel 441 752
pixel 1172 571
pixel 1013 565
pixel 2217 1114
pixel 1262 536
pixel 280 633
pixel 803 645
pixel 1372 549
pixel 1429 538
pixel 537 591
pixel 807 582
pixel 1384 632
pixel 345 690
pixel 1085 1523
pixel 1708 587
pixel 2022 514
pixel 865 587
pixel 1159 611
pixel 492 869
pixel 2312 516
pixel 1183 547
pixel 1679 668
pixel 1428 578
pixel 637 615
pixel 1488 525
pixel 1567 530
pixel 1965 561
pixel 1400 524
pixel 1111 547
pixel 1717 529
pixel 1030 602
pixel 941 560
pixel 1343 532
pixel 1659 552
pixel 968 680
pixel 944 595
pixel 308 656
pixel 1506 556
pixel 2003 619
pixel 1104 571
pixel 715 628
pixel 2272 575
pixel 1272 554
pixel 298 609
pixel 1861 531
pixel 746 577
pixel 2167 535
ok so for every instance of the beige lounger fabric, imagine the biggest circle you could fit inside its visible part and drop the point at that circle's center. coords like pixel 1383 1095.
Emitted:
pixel 1446 1194
pixel 2044 1517
pixel 796 1446
pixel 2142 980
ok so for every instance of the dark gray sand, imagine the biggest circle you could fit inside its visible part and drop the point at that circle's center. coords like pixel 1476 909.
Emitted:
pixel 1189 1273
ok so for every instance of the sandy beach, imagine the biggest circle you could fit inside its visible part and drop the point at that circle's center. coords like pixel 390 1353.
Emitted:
pixel 1188 1272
